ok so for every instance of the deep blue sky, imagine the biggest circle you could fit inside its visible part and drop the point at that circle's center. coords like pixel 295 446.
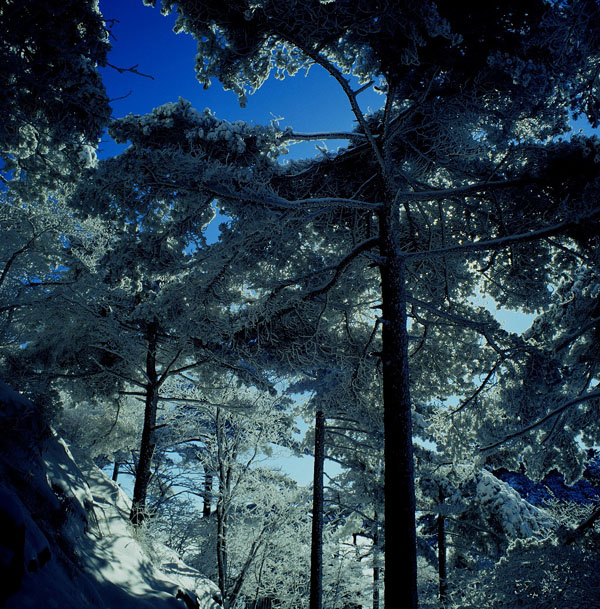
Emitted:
pixel 144 37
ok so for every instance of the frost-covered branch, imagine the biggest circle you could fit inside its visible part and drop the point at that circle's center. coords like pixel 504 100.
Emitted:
pixel 479 389
pixel 572 535
pixel 481 327
pixel 273 201
pixel 338 268
pixel 327 135
pixel 350 94
pixel 517 434
pixel 567 340
pixel 449 193
pixel 501 242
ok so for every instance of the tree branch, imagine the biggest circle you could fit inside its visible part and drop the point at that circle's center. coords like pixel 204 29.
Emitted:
pixel 327 135
pixel 502 242
pixel 570 536
pixel 553 413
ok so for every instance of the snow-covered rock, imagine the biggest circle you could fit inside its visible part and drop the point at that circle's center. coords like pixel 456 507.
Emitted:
pixel 65 539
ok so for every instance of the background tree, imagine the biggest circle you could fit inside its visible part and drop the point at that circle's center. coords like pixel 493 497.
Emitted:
pixel 53 108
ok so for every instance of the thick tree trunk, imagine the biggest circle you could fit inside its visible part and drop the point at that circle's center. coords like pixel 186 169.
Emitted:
pixel 316 550
pixel 442 572
pixel 148 443
pixel 400 536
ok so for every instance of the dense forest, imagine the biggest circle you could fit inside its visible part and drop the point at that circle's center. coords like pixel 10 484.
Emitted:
pixel 353 290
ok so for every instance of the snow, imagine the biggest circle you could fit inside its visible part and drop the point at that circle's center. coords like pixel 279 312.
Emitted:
pixel 65 538
pixel 516 517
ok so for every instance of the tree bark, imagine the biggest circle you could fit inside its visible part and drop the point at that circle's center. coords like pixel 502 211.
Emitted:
pixel 400 534
pixel 207 498
pixel 442 572
pixel 148 442
pixel 115 474
pixel 316 550
pixel 376 564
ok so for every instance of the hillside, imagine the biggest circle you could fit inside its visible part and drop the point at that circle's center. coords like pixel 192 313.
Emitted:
pixel 65 540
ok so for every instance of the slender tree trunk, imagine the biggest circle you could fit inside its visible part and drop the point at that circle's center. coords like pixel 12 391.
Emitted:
pixel 256 544
pixel 207 498
pixel 316 550
pixel 222 552
pixel 222 503
pixel 376 568
pixel 400 534
pixel 442 573
pixel 148 443
pixel 115 474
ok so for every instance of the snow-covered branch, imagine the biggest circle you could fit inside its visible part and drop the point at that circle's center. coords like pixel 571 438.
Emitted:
pixel 553 413
pixel 501 242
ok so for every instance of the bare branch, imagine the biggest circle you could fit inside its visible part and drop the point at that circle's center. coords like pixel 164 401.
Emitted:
pixel 132 69
pixel 167 371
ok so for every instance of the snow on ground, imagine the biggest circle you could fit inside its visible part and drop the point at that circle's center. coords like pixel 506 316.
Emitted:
pixel 65 538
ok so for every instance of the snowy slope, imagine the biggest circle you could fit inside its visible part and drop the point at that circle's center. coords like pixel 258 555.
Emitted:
pixel 65 540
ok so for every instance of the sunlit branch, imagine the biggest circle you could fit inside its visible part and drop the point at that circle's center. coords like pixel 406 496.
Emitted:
pixel 481 387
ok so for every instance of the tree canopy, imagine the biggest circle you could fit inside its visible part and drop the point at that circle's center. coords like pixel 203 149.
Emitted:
pixel 359 277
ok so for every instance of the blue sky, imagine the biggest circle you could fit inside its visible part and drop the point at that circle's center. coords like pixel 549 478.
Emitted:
pixel 144 37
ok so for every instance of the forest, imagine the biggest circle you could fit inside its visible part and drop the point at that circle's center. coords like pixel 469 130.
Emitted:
pixel 345 309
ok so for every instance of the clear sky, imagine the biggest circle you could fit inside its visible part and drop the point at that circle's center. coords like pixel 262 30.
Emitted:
pixel 143 37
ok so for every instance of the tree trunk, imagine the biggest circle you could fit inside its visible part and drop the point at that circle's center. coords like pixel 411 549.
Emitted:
pixel 245 568
pixel 148 443
pixel 115 474
pixel 222 503
pixel 316 550
pixel 376 564
pixel 400 534
pixel 442 573
pixel 222 552
pixel 207 498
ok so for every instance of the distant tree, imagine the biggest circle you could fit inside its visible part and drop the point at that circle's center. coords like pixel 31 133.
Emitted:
pixel 249 502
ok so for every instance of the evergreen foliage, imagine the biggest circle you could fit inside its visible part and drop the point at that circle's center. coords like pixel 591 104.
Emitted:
pixel 355 278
